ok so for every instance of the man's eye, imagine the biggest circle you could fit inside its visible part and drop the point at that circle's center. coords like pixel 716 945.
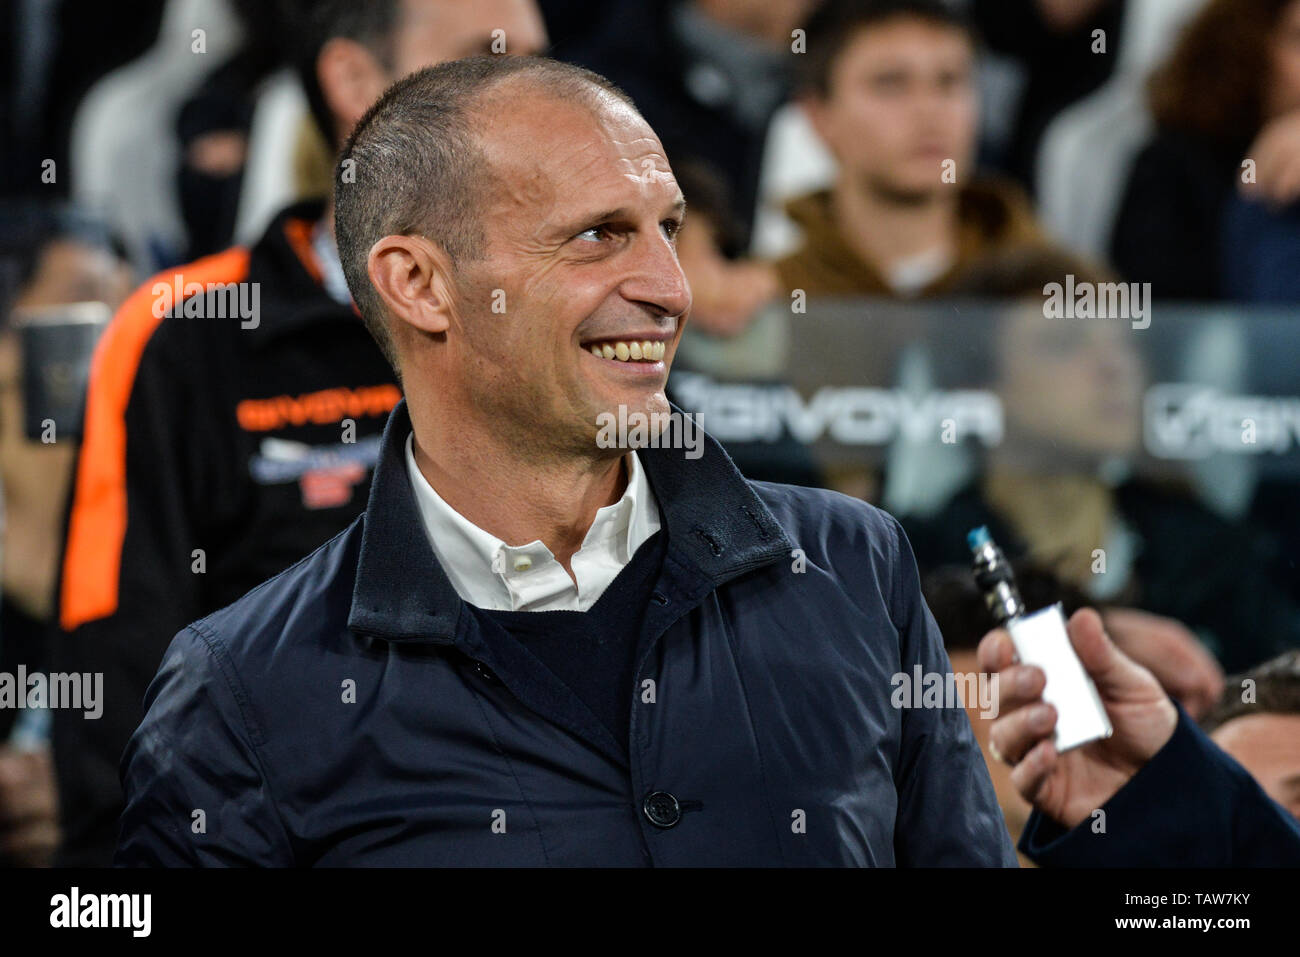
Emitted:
pixel 596 234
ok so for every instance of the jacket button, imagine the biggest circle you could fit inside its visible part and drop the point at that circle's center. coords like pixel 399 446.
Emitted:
pixel 484 672
pixel 661 808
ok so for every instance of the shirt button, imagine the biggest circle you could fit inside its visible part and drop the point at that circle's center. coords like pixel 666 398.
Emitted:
pixel 523 563
pixel 661 809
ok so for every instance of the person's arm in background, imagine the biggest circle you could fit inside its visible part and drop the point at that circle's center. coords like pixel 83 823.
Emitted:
pixel 948 814
pixel 1167 795
pixel 127 583
pixel 1276 155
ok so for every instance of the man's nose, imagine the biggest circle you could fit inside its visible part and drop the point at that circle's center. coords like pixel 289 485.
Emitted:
pixel 656 279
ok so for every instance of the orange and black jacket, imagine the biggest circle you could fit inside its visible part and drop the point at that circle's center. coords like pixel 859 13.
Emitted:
pixel 233 416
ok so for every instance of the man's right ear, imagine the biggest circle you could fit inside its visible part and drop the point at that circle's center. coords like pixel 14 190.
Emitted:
pixel 412 275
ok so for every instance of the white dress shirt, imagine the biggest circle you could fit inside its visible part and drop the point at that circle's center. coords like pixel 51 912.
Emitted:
pixel 487 572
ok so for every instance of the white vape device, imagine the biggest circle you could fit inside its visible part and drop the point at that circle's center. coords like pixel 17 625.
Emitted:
pixel 1041 639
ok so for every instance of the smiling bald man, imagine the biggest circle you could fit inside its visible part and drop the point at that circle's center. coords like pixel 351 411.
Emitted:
pixel 536 647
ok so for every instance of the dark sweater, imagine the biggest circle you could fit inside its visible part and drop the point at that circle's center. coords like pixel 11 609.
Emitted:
pixel 593 651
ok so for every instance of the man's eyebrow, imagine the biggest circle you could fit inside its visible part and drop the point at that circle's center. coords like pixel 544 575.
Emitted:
pixel 613 215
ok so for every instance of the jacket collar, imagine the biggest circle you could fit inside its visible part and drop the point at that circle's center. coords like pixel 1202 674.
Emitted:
pixel 717 529
pixel 291 286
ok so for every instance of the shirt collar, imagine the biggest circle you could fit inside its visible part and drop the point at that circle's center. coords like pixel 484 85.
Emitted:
pixel 479 564
pixel 717 529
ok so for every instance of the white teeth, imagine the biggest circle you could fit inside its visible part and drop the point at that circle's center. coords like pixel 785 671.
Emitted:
pixel 645 350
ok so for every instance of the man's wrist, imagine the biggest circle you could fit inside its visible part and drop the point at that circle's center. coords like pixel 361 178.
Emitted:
pixel 1125 814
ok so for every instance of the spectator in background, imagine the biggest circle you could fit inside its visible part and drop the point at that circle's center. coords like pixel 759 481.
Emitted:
pixel 889 87
pixel 1191 223
pixel 50 257
pixel 53 257
pixel 1258 723
pixel 1058 487
pixel 220 449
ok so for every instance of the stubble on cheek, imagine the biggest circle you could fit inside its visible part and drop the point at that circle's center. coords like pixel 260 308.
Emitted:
pixel 514 370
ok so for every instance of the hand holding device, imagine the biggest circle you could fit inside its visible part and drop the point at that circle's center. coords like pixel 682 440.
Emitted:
pixel 1040 638
pixel 1069 786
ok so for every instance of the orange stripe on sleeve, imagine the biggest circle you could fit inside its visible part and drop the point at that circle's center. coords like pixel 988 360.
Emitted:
pixel 92 561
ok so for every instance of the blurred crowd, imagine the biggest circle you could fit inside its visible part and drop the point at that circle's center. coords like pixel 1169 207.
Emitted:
pixel 911 151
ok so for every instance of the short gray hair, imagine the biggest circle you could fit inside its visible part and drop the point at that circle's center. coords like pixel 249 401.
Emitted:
pixel 413 166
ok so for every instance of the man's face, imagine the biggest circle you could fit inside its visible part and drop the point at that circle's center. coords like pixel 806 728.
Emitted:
pixel 580 229
pixel 1073 383
pixel 1268 746
pixel 901 103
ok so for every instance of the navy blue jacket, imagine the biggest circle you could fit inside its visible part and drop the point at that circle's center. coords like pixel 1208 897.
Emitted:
pixel 350 711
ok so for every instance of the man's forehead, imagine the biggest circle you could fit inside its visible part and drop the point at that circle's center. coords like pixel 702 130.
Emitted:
pixel 548 152
pixel 895 40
